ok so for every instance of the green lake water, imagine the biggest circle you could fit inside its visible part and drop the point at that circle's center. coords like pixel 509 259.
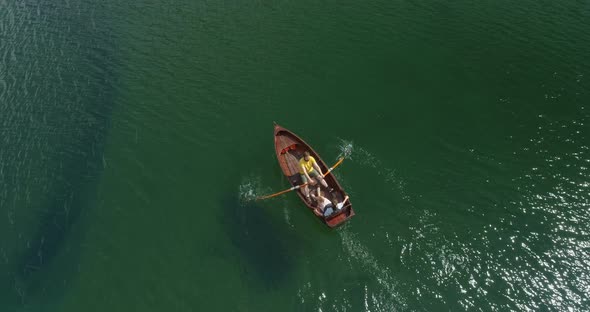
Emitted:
pixel 134 134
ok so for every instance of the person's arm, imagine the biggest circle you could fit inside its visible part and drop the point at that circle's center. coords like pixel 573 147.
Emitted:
pixel 318 212
pixel 305 173
pixel 345 199
pixel 316 167
pixel 341 205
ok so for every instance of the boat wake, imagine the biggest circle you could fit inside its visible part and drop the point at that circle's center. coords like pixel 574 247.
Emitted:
pixel 372 286
pixel 287 217
pixel 366 159
pixel 387 296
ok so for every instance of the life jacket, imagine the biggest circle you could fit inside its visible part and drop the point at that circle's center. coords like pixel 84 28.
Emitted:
pixel 288 148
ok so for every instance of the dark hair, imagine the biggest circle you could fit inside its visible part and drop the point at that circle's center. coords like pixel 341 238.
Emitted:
pixel 334 201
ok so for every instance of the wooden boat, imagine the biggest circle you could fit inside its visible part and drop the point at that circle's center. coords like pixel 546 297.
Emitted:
pixel 289 148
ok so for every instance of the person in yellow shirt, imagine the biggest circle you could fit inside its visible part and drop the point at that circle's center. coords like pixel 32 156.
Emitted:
pixel 309 169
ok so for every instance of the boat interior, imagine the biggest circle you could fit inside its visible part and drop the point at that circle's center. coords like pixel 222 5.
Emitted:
pixel 291 155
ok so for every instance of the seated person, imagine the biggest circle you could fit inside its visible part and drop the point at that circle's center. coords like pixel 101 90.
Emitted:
pixel 325 206
pixel 310 171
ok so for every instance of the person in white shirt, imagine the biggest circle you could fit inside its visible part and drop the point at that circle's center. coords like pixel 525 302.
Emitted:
pixel 327 207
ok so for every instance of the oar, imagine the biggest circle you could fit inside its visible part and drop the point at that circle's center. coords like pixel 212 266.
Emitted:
pixel 301 185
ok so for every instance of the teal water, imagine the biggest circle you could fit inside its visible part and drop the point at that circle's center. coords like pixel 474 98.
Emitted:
pixel 133 135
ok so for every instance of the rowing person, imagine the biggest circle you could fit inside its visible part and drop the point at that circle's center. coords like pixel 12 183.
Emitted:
pixel 309 169
pixel 326 207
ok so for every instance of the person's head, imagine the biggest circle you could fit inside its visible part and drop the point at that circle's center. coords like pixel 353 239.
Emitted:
pixel 306 155
pixel 334 201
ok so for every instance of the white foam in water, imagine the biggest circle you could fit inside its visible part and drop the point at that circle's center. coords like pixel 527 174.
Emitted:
pixel 346 148
pixel 387 297
pixel 365 158
pixel 287 215
pixel 381 290
pixel 250 188
pixel 247 191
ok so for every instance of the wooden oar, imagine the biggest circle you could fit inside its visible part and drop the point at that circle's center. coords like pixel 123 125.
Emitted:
pixel 301 185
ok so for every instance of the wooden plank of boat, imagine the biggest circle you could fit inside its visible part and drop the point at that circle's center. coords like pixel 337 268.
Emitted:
pixel 289 149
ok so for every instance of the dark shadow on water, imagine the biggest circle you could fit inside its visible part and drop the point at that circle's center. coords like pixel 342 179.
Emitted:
pixel 70 198
pixel 266 247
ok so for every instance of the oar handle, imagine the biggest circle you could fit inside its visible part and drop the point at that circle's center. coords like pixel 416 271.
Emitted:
pixel 335 165
pixel 281 192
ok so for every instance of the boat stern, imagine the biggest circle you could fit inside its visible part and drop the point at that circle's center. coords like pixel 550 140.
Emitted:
pixel 339 218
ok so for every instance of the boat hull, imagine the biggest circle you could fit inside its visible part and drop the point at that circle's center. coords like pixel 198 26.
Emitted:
pixel 289 150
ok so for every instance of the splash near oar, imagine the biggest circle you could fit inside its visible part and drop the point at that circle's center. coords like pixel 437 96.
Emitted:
pixel 290 150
